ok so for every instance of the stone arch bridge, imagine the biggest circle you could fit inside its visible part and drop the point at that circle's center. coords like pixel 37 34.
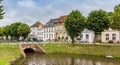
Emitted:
pixel 34 47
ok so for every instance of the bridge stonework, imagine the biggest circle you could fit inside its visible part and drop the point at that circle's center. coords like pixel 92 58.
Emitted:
pixel 35 47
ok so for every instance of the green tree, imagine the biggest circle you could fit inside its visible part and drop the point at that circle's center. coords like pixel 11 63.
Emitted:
pixel 1 31
pixel 115 18
pixel 1 11
pixel 6 31
pixel 23 30
pixel 74 24
pixel 13 30
pixel 98 21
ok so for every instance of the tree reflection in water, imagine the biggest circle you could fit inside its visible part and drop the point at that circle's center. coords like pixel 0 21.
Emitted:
pixel 65 59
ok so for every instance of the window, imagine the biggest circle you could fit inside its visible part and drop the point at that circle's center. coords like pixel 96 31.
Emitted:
pixel 44 29
pixel 87 36
pixel 44 35
pixel 51 35
pixel 33 28
pixel 39 29
pixel 60 27
pixel 60 34
pixel 56 27
pixel 113 36
pixel 38 33
pixel 47 30
pixel 65 34
pixel 107 36
pixel 47 35
pixel 52 29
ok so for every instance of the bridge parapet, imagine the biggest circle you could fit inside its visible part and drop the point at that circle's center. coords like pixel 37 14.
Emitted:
pixel 35 47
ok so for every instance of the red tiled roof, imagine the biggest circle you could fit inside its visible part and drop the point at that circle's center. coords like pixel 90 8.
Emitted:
pixel 61 19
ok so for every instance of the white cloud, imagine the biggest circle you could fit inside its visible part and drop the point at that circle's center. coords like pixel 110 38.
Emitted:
pixel 27 3
pixel 30 11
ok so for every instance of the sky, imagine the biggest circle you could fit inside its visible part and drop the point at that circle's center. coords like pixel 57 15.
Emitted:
pixel 30 11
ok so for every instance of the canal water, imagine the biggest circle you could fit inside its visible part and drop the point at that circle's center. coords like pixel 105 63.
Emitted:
pixel 65 59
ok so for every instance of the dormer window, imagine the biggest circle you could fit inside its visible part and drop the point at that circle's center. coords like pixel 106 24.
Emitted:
pixel 47 24
pixel 52 24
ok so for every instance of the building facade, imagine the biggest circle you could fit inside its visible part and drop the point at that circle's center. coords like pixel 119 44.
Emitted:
pixel 60 32
pixel 87 36
pixel 110 34
pixel 49 30
pixel 37 30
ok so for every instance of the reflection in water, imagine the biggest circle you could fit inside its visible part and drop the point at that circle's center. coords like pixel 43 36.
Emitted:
pixel 65 59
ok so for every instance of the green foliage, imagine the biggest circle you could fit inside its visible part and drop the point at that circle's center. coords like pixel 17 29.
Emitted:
pixel 14 31
pixel 110 41
pixel 1 11
pixel 66 38
pixel 74 24
pixel 1 31
pixel 98 21
pixel 58 38
pixel 99 41
pixel 6 30
pixel 116 18
pixel 62 37
pixel 9 53
pixel 23 30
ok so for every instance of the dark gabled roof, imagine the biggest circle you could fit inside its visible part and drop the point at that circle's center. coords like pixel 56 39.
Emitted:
pixel 37 24
pixel 50 23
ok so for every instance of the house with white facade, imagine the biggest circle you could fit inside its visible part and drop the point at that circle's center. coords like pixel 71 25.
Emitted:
pixel 87 36
pixel 110 34
pixel 49 30
pixel 37 30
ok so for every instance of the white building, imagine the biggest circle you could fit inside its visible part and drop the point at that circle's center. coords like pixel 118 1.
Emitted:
pixel 110 34
pixel 49 30
pixel 37 30
pixel 87 36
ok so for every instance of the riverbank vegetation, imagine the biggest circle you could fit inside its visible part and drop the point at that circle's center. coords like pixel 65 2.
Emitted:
pixel 9 53
pixel 84 49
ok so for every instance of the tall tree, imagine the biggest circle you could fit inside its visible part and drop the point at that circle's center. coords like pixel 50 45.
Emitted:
pixel 74 24
pixel 13 30
pixel 1 31
pixel 6 31
pixel 98 21
pixel 23 30
pixel 1 11
pixel 115 18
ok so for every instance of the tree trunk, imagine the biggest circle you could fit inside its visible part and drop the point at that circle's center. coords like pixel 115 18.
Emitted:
pixel 94 42
pixel 72 40
pixel 119 38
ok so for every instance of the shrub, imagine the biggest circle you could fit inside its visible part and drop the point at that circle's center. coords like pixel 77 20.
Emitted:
pixel 58 37
pixel 118 42
pixel 110 41
pixel 99 41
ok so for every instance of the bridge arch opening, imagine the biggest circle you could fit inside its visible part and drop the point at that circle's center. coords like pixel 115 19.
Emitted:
pixel 29 50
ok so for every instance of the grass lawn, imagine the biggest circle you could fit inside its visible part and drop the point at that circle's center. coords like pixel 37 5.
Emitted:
pixel 9 53
pixel 12 52
pixel 87 49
